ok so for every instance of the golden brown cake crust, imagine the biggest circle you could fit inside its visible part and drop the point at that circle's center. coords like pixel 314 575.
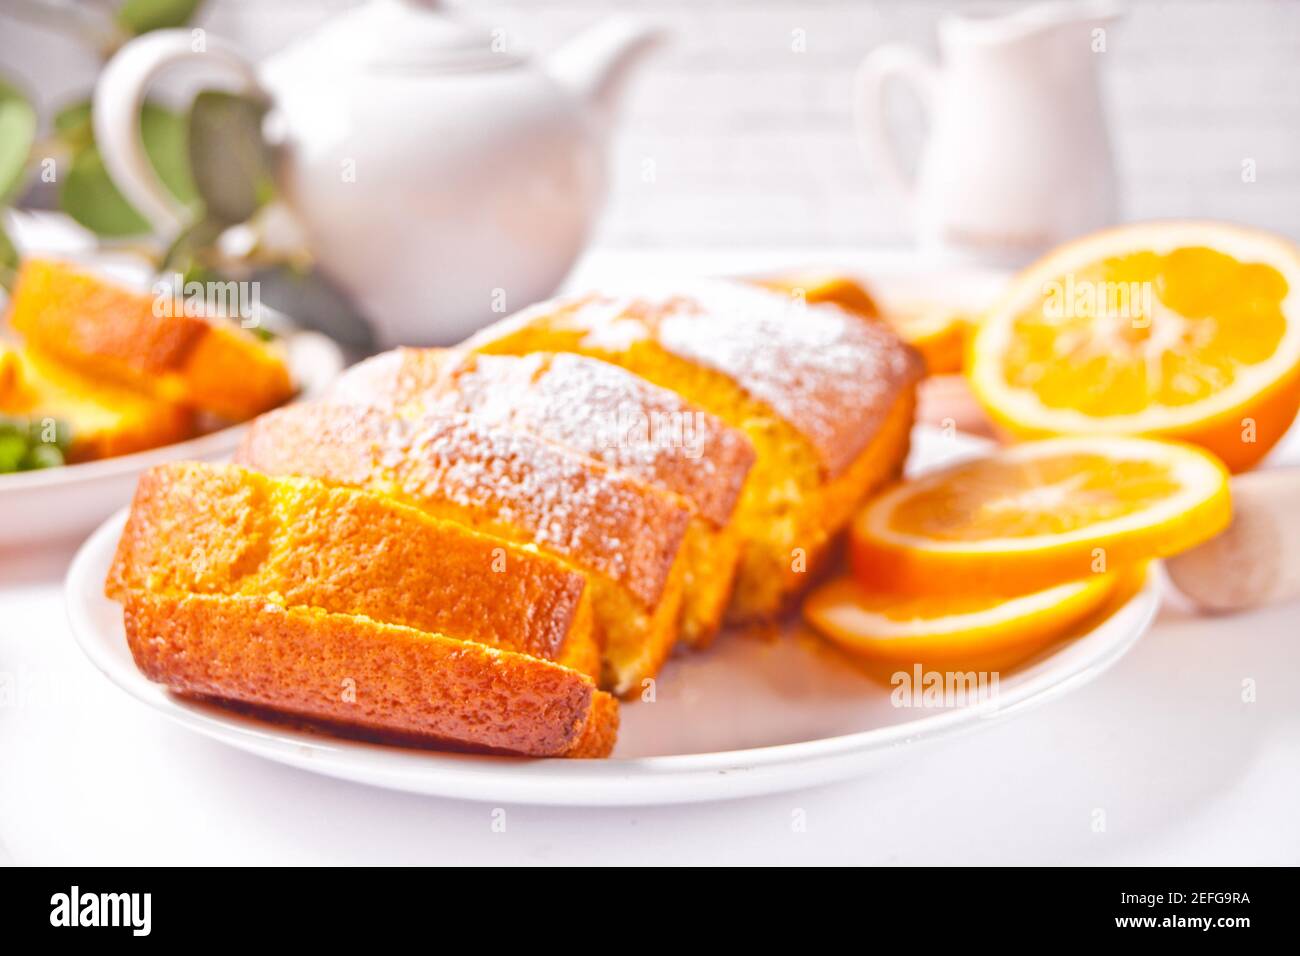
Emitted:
pixel 108 330
pixel 831 375
pixel 356 672
pixel 584 404
pixel 221 529
pixel 600 733
pixel 502 480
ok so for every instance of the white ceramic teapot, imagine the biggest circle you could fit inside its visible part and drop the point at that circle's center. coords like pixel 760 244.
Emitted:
pixel 437 179
pixel 1018 158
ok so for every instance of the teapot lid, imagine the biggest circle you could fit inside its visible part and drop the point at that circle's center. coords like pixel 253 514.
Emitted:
pixel 408 35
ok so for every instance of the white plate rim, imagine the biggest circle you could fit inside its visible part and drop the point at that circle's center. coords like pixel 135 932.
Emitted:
pixel 667 779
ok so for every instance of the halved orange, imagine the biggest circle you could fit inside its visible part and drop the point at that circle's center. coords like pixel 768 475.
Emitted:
pixel 1185 330
pixel 1038 514
pixel 949 628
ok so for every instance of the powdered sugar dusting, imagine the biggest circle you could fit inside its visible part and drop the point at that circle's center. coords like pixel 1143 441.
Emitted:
pixel 488 476
pixel 830 374
pixel 562 501
pixel 369 381
pixel 609 414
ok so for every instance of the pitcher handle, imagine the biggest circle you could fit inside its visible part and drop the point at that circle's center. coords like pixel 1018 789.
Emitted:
pixel 874 135
pixel 119 97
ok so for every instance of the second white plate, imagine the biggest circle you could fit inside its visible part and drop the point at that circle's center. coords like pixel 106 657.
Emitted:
pixel 59 503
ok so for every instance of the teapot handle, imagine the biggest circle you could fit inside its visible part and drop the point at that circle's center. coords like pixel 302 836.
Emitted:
pixel 119 97
pixel 874 135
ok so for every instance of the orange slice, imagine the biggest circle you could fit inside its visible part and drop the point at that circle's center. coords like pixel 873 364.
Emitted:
pixel 936 330
pixel 1185 330
pixel 946 628
pixel 1038 514
pixel 833 287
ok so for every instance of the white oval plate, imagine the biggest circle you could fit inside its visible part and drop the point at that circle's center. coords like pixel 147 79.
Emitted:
pixel 747 717
pixel 58 503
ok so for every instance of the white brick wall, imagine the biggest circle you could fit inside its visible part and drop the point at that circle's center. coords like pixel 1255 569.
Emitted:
pixel 752 143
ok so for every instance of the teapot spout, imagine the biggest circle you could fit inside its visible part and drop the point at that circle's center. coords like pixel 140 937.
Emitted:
pixel 596 64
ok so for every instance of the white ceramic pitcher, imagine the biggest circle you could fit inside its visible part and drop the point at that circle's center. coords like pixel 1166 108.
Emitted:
pixel 1017 157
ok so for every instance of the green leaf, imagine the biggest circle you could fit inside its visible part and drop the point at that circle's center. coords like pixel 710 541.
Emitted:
pixel 28 444
pixel 13 448
pixel 166 137
pixel 17 132
pixel 41 456
pixel 47 430
pixel 141 16
pixel 229 160
pixel 72 125
pixel 89 195
pixel 189 252
pixel 8 260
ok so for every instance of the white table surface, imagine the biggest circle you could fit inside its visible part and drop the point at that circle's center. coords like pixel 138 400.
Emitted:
pixel 1163 745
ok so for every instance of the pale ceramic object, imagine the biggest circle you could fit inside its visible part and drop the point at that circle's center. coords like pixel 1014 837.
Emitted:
pixel 1256 561
pixel 1017 158
pixel 437 179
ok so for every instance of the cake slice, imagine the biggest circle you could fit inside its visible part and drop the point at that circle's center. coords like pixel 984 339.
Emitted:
pixel 601 411
pixel 223 530
pixel 826 398
pixel 365 677
pixel 103 419
pixel 111 332
pixel 624 535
